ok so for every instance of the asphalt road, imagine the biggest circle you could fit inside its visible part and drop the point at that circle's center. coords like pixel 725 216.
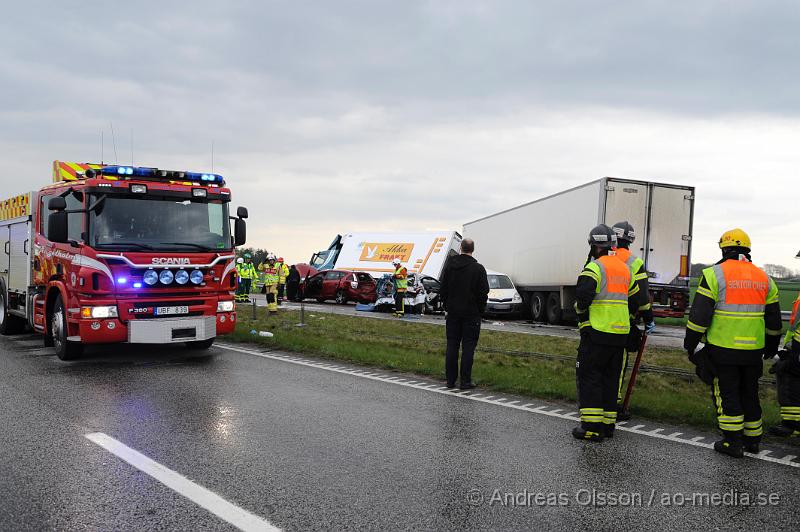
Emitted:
pixel 302 445
pixel 664 336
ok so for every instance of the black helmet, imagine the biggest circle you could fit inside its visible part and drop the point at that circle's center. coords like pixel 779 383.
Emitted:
pixel 603 237
pixel 624 231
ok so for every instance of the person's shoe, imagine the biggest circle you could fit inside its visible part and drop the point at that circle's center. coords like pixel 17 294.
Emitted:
pixel 579 433
pixel 451 385
pixel 782 431
pixel 730 448
pixel 752 448
pixel 609 433
pixel 467 386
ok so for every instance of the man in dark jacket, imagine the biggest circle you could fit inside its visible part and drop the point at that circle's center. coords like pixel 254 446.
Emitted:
pixel 464 292
pixel 292 283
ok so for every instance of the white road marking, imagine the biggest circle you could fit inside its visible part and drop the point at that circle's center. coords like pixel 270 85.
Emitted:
pixel 544 410
pixel 238 517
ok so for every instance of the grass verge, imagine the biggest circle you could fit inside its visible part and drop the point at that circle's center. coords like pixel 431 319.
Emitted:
pixel 418 348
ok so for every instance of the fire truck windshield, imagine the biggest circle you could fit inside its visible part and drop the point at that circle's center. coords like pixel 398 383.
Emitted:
pixel 162 224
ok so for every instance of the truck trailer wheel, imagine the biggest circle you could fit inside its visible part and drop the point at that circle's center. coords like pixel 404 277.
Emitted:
pixel 8 324
pixel 65 350
pixel 538 302
pixel 554 308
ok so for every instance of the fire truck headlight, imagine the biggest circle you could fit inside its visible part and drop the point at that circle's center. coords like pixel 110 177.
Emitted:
pixel 199 192
pixel 150 277
pixel 138 189
pixel 99 312
pixel 166 277
pixel 197 277
pixel 225 306
pixel 181 277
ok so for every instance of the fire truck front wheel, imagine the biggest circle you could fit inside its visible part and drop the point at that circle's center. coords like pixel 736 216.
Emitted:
pixel 65 350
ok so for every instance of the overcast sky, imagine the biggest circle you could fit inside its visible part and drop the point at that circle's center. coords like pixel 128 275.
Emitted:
pixel 336 116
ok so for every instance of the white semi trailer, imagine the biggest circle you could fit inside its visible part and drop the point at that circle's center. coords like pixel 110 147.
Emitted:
pixel 543 246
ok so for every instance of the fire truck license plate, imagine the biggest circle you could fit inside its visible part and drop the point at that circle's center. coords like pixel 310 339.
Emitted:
pixel 170 311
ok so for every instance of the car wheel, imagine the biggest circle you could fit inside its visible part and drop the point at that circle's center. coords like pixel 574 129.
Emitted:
pixel 65 350
pixel 554 308
pixel 200 345
pixel 341 297
pixel 8 324
pixel 538 303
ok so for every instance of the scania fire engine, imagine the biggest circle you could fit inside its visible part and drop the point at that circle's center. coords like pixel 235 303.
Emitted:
pixel 109 254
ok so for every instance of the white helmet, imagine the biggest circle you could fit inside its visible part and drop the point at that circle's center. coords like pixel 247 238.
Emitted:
pixel 271 256
pixel 240 260
pixel 396 261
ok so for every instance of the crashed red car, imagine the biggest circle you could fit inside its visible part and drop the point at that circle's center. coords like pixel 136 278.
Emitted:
pixel 339 285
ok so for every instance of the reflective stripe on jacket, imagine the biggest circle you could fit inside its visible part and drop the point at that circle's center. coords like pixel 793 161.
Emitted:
pixel 740 291
pixel 283 272
pixel 269 274
pixel 608 312
pixel 401 279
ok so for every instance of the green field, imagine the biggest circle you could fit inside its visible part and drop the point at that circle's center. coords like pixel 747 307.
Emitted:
pixel 505 361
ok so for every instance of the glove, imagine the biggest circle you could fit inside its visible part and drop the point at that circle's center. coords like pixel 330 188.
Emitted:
pixel 784 354
pixel 649 327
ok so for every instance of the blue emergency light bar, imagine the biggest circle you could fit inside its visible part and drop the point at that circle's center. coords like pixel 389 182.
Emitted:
pixel 161 175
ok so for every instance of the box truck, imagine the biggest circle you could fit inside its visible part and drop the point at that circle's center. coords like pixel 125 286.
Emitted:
pixel 120 254
pixel 424 253
pixel 543 246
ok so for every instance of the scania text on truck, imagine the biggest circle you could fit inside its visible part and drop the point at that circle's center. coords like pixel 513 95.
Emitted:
pixel 111 254
pixel 542 245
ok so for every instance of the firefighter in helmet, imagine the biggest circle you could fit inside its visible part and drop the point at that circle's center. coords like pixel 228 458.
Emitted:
pixel 736 314
pixel 625 237
pixel 787 373
pixel 605 296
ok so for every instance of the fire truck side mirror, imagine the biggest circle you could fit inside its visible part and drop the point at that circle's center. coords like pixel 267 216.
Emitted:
pixel 239 232
pixel 57 204
pixel 241 212
pixel 57 226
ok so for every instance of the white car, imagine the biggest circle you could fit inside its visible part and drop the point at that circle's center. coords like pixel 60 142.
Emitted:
pixel 503 295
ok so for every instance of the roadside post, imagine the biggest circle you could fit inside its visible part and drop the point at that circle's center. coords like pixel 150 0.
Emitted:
pixel 302 314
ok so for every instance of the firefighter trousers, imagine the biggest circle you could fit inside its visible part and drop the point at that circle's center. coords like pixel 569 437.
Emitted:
pixel 399 303
pixel 597 373
pixel 788 377
pixel 272 297
pixel 735 396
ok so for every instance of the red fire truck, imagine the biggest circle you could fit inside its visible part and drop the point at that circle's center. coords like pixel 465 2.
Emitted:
pixel 109 254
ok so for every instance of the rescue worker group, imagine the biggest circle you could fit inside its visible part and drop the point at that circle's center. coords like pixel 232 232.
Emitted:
pixel 735 315
pixel 734 325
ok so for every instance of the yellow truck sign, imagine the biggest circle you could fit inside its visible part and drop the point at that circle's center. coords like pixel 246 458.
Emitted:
pixel 386 252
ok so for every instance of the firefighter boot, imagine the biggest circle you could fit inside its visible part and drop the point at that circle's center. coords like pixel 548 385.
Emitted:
pixel 731 444
pixel 785 429
pixel 751 444
pixel 592 434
